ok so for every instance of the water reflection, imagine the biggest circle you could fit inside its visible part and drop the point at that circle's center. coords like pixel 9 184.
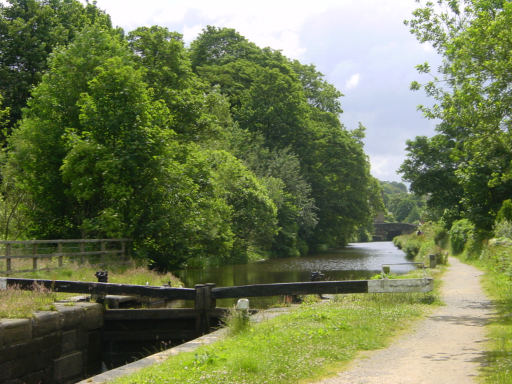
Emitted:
pixel 353 262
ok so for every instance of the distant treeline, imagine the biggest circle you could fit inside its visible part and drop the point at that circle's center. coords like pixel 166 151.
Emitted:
pixel 216 153
pixel 401 205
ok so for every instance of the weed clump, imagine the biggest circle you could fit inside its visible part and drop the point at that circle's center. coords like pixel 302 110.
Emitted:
pixel 236 321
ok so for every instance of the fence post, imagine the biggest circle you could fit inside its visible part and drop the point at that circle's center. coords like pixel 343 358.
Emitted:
pixel 8 259
pixel 59 251
pixel 210 304
pixel 123 250
pixel 82 250
pixel 199 306
pixel 34 257
pixel 103 248
pixel 432 261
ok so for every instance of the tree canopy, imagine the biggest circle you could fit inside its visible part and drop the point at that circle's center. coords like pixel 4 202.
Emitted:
pixel 465 169
pixel 217 153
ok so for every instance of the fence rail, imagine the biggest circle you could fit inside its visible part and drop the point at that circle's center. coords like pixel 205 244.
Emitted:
pixel 73 248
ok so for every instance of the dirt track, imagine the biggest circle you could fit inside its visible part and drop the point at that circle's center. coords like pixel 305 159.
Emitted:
pixel 447 347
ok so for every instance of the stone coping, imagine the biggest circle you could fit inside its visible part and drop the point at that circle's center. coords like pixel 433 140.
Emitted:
pixel 159 357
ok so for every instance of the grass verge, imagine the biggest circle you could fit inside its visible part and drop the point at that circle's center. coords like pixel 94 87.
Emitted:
pixel 309 342
pixel 130 273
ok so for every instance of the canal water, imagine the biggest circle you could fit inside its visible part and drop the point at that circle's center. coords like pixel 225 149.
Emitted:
pixel 356 261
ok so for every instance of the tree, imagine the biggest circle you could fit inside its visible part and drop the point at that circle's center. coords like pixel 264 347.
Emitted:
pixel 285 106
pixel 218 46
pixel 274 106
pixel 403 206
pixel 29 31
pixel 319 93
pixel 53 116
pixel 4 115
pixel 471 153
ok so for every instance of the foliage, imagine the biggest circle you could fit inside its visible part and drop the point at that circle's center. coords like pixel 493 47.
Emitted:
pixel 441 235
pixel 29 31
pixel 503 229
pixel 460 232
pixel 465 168
pixel 419 247
pixel 4 114
pixel 505 212
pixel 402 205
pixel 72 158
pixel 236 321
pixel 221 153
pixel 167 68
pixel 282 105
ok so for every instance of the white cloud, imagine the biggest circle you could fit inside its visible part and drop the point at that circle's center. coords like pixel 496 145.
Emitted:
pixel 384 167
pixel 190 33
pixel 266 22
pixel 353 81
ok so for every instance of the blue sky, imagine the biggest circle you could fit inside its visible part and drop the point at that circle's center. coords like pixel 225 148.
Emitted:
pixel 362 47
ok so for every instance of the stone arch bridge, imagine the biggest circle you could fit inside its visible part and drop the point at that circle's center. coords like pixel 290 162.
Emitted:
pixel 387 231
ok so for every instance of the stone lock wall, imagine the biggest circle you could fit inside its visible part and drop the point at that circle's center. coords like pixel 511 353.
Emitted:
pixel 60 347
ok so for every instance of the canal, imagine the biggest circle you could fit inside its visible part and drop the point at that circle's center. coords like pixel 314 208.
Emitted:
pixel 356 261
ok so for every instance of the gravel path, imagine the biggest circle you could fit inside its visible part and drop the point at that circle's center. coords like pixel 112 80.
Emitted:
pixel 447 347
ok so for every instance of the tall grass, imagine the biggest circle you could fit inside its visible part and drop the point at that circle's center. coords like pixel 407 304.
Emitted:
pixel 130 273
pixel 15 303
pixel 18 303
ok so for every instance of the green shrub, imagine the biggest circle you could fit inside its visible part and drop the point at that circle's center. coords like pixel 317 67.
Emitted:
pixel 236 321
pixel 411 247
pixel 460 232
pixel 505 212
pixel 441 235
pixel 503 229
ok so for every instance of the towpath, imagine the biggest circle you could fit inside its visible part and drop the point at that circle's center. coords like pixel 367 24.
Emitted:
pixel 447 347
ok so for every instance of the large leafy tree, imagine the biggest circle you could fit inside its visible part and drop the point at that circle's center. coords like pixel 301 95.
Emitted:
pixel 290 106
pixel 466 167
pixel 29 31
pixel 53 117
pixel 97 155
pixel 168 71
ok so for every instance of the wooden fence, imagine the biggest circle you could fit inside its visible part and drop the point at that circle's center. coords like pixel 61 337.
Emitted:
pixel 37 250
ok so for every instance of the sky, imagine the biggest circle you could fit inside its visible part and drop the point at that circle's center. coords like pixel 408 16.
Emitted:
pixel 361 46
